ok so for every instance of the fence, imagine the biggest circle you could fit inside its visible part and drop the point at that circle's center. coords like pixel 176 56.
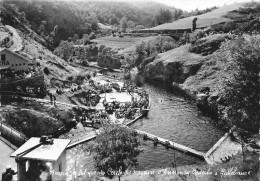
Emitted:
pixel 8 80
pixel 13 136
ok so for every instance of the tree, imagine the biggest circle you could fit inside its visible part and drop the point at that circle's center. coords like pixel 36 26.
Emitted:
pixel 177 13
pixel 86 39
pixel 92 36
pixel 22 17
pixel 140 53
pixel 113 21
pixel 116 149
pixel 123 23
pixel 75 37
pixel 243 90
pixel 130 24
pixel 164 16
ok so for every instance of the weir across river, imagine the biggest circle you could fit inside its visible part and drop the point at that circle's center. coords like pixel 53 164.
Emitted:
pixel 168 143
pixel 171 144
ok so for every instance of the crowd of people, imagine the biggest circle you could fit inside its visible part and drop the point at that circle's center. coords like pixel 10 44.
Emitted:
pixel 92 97
pixel 121 110
pixel 8 75
pixel 103 88
pixel 94 117
pixel 128 110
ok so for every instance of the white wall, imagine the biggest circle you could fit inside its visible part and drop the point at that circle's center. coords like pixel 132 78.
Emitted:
pixel 13 61
pixel 61 160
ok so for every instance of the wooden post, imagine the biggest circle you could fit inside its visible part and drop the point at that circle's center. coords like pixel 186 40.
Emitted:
pixel 243 151
pixel 175 164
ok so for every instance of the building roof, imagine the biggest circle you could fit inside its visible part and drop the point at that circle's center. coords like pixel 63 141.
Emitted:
pixel 19 55
pixel 43 152
pixel 103 26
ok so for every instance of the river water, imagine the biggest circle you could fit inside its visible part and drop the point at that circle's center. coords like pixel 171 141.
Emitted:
pixel 170 117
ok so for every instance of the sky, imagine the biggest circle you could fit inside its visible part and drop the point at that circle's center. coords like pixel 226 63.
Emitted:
pixel 187 5
pixel 200 4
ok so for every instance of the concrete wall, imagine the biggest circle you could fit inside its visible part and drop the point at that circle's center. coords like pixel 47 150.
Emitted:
pixel 13 60
pixel 56 167
pixel 12 135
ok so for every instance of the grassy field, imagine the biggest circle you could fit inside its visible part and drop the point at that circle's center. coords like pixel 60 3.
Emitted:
pixel 118 44
pixel 204 20
pixel 127 44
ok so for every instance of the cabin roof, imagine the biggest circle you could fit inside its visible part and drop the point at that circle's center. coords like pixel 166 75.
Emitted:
pixel 43 152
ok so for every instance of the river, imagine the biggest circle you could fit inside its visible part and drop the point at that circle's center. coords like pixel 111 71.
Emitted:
pixel 178 120
pixel 173 118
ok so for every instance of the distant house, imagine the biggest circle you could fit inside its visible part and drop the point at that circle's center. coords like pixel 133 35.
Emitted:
pixel 9 59
pixel 103 26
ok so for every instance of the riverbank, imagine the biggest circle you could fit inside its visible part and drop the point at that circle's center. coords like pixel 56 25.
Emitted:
pixel 170 126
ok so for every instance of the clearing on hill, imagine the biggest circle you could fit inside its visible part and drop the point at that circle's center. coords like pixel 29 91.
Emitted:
pixel 204 20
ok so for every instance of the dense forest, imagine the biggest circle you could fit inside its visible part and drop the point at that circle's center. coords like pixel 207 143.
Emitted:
pixel 60 20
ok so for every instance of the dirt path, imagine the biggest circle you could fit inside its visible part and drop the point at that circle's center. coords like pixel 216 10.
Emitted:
pixel 17 40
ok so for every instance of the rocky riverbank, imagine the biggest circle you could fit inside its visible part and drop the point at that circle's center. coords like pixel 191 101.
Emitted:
pixel 197 70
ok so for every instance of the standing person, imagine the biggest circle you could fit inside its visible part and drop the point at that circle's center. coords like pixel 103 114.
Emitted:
pixel 54 100
pixel 50 97
pixel 8 174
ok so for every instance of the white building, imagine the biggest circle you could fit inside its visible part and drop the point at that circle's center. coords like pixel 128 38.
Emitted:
pixel 9 59
pixel 47 160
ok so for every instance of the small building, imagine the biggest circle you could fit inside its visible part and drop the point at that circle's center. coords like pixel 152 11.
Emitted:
pixel 45 160
pixel 12 60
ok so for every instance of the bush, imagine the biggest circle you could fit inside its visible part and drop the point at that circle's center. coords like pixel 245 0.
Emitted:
pixel 207 46
pixel 70 78
pixel 85 63
pixel 80 78
pixel 199 34
pixel 92 36
pixel 166 46
pixel 138 80
pixel 46 71
pixel 127 76
pixel 228 26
